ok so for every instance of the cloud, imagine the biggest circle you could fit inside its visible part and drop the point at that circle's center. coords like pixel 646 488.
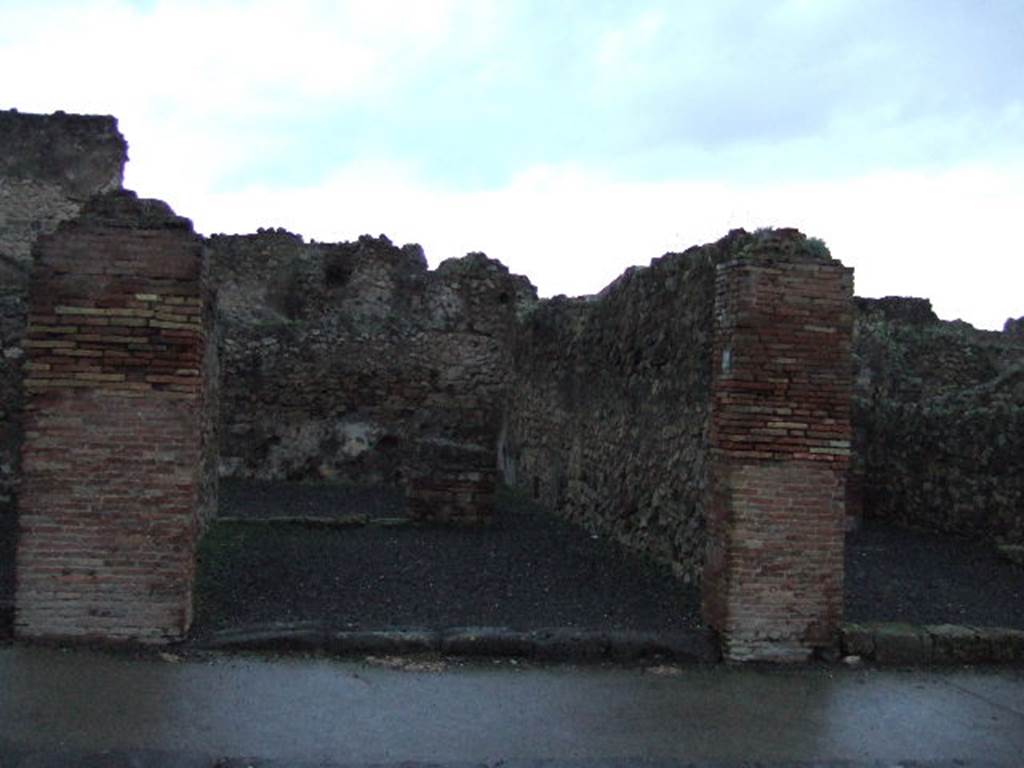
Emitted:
pixel 569 139
pixel 572 230
pixel 472 92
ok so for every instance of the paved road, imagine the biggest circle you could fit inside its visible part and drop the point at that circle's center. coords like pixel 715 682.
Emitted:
pixel 66 708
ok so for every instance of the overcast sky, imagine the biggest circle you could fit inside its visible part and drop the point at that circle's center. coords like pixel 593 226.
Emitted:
pixel 570 139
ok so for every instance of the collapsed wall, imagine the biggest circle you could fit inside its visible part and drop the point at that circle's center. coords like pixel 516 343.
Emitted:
pixel 49 166
pixel 939 415
pixel 354 363
pixel 607 413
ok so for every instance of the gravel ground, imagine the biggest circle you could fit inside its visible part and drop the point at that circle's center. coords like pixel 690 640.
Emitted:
pixel 893 574
pixel 528 570
pixel 521 572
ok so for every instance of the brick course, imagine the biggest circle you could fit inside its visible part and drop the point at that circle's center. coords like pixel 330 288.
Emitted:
pixel 114 474
pixel 780 444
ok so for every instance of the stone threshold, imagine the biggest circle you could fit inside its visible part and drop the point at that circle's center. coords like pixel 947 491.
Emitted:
pixel 881 643
pixel 554 644
pixel 902 644
pixel 335 521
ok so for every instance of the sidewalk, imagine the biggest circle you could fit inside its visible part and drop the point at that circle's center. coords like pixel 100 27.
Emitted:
pixel 61 707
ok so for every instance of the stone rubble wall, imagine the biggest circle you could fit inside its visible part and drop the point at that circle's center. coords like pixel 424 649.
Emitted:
pixel 607 416
pixel 354 363
pixel 113 488
pixel 939 416
pixel 49 166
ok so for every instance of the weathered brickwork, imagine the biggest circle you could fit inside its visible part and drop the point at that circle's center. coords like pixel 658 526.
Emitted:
pixel 780 442
pixel 354 363
pixel 455 483
pixel 49 166
pixel 113 472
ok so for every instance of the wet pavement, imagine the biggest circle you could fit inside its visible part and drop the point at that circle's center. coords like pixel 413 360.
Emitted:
pixel 93 708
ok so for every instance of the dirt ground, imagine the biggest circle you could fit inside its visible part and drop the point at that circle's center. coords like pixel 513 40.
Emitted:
pixel 528 570
pixel 532 570
pixel 893 574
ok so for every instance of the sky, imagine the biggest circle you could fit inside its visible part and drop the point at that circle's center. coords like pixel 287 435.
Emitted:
pixel 570 139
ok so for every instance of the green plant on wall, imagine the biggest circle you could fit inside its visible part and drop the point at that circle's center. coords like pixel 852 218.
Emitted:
pixel 816 247
pixel 813 246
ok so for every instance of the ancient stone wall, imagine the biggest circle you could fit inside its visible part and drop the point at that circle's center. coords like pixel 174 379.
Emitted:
pixel 702 394
pixel 49 166
pixel 780 442
pixel 354 363
pixel 939 416
pixel 607 415
pixel 113 487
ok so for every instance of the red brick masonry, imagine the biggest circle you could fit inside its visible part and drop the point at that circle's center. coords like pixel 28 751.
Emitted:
pixel 112 456
pixel 780 441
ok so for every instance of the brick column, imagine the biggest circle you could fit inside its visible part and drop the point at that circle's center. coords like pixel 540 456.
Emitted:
pixel 453 483
pixel 115 424
pixel 780 443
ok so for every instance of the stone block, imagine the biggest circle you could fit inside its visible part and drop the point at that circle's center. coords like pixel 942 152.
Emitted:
pixel 859 640
pixel 487 641
pixel 957 644
pixel 1006 646
pixel 902 644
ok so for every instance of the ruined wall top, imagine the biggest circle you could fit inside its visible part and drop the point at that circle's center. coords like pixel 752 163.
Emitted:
pixel 274 277
pixel 84 154
pixel 1014 328
pixel 902 309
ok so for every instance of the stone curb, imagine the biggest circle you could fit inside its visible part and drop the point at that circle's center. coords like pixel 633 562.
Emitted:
pixel 340 521
pixel 903 644
pixel 491 642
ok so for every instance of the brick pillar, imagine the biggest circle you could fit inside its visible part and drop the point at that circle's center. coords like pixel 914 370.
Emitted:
pixel 115 420
pixel 453 483
pixel 780 443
